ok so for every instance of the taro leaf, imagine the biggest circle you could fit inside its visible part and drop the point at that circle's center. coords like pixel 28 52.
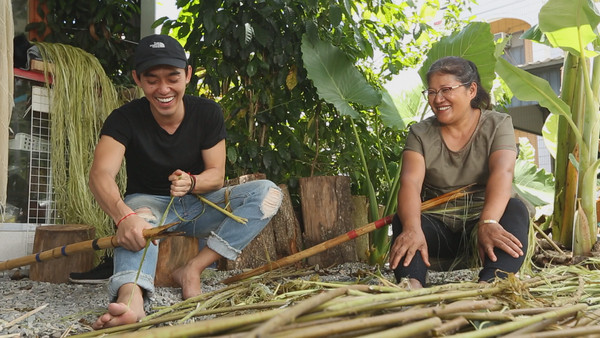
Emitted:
pixel 533 184
pixel 336 78
pixel 389 113
pixel 475 43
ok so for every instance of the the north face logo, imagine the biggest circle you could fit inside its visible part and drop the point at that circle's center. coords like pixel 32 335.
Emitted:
pixel 157 44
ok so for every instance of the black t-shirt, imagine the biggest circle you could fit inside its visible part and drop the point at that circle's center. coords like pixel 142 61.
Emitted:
pixel 152 154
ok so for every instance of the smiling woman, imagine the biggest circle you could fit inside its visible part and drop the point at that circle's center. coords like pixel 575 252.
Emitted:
pixel 464 143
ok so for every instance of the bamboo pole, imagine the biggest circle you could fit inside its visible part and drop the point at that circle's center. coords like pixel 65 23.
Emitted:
pixel 289 260
pixel 90 245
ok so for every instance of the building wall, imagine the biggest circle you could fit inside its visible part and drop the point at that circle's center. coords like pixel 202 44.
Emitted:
pixel 508 10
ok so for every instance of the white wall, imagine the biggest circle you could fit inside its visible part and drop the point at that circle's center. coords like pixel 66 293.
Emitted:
pixel 490 10
pixel 526 10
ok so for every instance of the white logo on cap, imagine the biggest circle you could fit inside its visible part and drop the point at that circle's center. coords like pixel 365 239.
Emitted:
pixel 157 44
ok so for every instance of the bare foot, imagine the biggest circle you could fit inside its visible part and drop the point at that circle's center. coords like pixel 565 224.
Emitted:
pixel 188 279
pixel 118 314
pixel 415 284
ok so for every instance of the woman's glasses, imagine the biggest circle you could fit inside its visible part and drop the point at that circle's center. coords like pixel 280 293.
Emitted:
pixel 431 94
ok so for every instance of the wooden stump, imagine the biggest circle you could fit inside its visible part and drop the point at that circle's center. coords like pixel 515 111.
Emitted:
pixel 360 217
pixel 327 213
pixel 261 249
pixel 286 227
pixel 173 252
pixel 279 238
pixel 53 236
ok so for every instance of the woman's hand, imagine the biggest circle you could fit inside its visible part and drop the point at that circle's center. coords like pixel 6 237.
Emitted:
pixel 493 235
pixel 406 245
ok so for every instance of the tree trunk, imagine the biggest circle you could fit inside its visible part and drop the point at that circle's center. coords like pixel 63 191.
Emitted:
pixel 327 213
pixel 360 217
pixel 56 236
pixel 286 227
pixel 173 252
pixel 261 249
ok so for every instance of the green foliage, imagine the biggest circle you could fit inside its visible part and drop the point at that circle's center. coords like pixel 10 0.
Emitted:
pixel 533 184
pixel 475 42
pixel 248 56
pixel 104 28
pixel 337 80
pixel 574 123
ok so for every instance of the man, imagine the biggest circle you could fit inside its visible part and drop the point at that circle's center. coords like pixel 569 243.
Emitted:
pixel 174 146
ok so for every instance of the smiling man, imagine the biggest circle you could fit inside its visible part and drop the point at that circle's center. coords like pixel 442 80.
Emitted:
pixel 174 147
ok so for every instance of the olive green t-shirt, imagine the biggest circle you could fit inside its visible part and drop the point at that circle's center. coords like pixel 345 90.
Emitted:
pixel 447 170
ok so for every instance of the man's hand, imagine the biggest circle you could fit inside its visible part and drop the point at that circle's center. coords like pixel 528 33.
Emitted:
pixel 406 245
pixel 181 183
pixel 130 233
pixel 493 235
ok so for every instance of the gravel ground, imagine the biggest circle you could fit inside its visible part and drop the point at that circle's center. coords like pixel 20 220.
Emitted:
pixel 68 309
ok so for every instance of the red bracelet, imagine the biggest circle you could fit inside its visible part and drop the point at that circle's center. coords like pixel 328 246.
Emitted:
pixel 121 220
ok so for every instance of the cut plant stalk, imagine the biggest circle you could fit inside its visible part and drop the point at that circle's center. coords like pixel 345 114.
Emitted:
pixel 515 325
pixel 395 318
pixel 452 195
pixel 290 314
pixel 409 330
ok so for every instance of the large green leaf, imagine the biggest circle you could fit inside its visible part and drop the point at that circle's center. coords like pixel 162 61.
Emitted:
pixel 390 115
pixel 533 184
pixel 528 87
pixel 566 22
pixel 475 43
pixel 336 78
pixel 550 133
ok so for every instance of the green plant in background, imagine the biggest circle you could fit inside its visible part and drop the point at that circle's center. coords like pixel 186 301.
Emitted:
pixel 572 129
pixel 104 28
pixel 82 96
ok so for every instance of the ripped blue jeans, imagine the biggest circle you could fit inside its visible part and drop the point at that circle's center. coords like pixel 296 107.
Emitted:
pixel 258 201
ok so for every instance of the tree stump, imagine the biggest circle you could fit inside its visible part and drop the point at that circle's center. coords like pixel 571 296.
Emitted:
pixel 54 236
pixel 261 249
pixel 360 217
pixel 173 252
pixel 327 213
pixel 286 227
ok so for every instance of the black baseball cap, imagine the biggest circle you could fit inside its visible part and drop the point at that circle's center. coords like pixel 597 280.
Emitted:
pixel 154 50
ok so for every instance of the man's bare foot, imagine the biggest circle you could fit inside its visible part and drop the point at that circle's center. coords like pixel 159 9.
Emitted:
pixel 188 279
pixel 118 314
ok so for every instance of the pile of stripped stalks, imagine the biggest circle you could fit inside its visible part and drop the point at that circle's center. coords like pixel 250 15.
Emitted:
pixel 562 301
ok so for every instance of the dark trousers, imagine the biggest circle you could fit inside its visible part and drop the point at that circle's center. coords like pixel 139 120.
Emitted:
pixel 443 243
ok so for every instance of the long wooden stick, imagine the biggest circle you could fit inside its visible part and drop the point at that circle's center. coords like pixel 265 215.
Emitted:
pixel 289 260
pixel 91 245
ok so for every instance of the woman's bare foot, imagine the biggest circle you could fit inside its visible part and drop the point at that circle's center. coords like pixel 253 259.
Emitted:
pixel 118 314
pixel 188 279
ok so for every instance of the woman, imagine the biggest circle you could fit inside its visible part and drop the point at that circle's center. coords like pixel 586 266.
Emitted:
pixel 464 143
